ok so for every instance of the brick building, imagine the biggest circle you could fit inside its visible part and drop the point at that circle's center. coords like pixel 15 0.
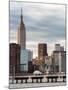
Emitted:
pixel 14 58
pixel 42 50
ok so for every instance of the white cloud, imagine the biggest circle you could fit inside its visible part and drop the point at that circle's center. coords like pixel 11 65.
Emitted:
pixel 13 36
pixel 34 14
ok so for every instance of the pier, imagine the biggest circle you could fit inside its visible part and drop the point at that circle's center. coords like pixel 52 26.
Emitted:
pixel 38 79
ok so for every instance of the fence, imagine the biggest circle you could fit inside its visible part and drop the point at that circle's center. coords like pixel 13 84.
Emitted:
pixel 39 79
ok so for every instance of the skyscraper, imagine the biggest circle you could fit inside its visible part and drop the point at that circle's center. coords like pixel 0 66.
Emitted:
pixel 57 47
pixel 42 50
pixel 59 61
pixel 62 48
pixel 14 57
pixel 22 33
pixel 25 57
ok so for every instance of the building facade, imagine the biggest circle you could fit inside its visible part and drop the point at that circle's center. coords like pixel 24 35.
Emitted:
pixel 25 57
pixel 63 61
pixel 14 58
pixel 59 61
pixel 42 50
pixel 57 47
pixel 48 64
pixel 61 48
pixel 30 67
pixel 22 33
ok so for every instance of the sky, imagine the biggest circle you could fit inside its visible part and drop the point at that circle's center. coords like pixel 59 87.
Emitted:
pixel 44 23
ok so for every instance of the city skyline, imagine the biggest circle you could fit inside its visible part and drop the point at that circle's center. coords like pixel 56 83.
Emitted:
pixel 43 25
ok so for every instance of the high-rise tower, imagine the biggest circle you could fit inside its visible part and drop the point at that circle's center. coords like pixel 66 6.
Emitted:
pixel 42 50
pixel 22 33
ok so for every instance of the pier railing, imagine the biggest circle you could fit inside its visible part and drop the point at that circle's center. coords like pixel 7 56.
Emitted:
pixel 38 79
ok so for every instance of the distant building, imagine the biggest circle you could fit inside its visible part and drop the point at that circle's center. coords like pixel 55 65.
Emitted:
pixel 14 58
pixel 42 50
pixel 25 57
pixel 30 67
pixel 63 62
pixel 57 47
pixel 37 61
pixel 59 61
pixel 46 66
pixel 22 33
pixel 61 48
pixel 48 63
pixel 40 60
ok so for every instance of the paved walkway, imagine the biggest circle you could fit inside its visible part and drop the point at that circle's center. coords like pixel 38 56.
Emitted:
pixel 31 85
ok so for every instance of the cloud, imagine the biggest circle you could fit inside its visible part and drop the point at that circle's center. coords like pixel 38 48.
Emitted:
pixel 13 36
pixel 43 23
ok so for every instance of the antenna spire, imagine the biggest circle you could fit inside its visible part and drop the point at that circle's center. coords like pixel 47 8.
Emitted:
pixel 21 11
pixel 21 16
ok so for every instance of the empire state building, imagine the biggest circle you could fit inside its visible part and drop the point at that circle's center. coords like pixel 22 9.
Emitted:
pixel 22 33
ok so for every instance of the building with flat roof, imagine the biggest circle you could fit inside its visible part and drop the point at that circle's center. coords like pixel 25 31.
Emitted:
pixel 14 58
pixel 25 57
pixel 61 48
pixel 42 50
pixel 59 61
pixel 30 67
pixel 57 47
